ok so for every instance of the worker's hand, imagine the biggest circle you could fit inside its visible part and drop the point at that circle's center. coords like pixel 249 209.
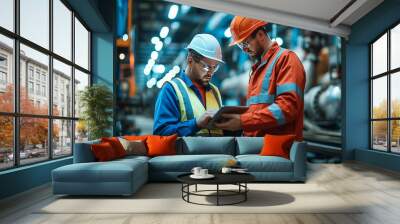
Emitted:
pixel 202 122
pixel 230 122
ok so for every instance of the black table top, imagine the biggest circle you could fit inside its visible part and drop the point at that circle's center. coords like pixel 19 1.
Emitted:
pixel 220 178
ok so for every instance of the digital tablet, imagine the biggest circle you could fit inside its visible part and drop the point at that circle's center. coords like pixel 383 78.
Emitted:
pixel 226 110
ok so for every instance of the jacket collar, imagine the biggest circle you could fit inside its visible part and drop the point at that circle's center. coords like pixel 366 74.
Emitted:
pixel 266 56
pixel 189 82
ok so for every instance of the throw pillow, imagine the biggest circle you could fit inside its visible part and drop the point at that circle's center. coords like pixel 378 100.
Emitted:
pixel 117 146
pixel 277 145
pixel 161 145
pixel 136 147
pixel 103 151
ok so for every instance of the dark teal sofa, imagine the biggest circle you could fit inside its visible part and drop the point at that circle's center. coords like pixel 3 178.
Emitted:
pixel 125 176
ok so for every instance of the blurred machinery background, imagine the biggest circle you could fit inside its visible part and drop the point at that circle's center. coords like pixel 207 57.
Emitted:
pixel 152 36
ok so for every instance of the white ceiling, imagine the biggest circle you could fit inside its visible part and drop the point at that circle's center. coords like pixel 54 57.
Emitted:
pixel 320 9
pixel 317 15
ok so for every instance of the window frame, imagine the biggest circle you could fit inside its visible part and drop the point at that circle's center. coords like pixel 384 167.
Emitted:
pixel 388 74
pixel 16 114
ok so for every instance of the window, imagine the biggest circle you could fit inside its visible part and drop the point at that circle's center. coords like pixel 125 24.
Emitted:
pixel 35 22
pixel 33 147
pixel 62 137
pixel 55 98
pixel 81 81
pixel 3 72
pixel 37 74
pixel 30 87
pixel 43 90
pixel 385 96
pixel 6 73
pixel 38 89
pixel 3 61
pixel 6 142
pixel 30 72
pixel 7 14
pixel 62 74
pixel 50 135
pixel 3 78
pixel 62 29
pixel 395 47
pixel 81 45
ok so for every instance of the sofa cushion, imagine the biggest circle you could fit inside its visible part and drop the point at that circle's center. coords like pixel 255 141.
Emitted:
pixel 249 145
pixel 277 145
pixel 206 145
pixel 116 171
pixel 131 158
pixel 257 163
pixel 103 152
pixel 161 145
pixel 116 145
pixel 135 147
pixel 185 163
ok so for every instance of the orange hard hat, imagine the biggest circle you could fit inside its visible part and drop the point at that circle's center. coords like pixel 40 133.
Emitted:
pixel 242 27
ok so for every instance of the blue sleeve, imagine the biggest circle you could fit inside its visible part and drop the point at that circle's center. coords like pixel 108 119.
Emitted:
pixel 167 115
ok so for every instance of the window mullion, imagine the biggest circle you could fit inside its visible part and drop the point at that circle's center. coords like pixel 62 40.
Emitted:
pixel 16 84
pixel 50 81
pixel 371 98
pixel 389 106
pixel 73 82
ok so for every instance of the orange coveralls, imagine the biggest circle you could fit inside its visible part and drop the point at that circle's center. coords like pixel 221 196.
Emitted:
pixel 275 95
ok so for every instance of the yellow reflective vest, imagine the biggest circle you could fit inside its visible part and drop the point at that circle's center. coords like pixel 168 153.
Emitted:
pixel 190 105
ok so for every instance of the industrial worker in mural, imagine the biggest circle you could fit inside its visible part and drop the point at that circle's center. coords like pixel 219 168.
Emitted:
pixel 276 85
pixel 186 104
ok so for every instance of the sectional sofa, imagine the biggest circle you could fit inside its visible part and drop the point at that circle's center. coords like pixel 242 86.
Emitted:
pixel 125 176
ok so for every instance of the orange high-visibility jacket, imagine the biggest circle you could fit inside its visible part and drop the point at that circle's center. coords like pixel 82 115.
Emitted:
pixel 275 95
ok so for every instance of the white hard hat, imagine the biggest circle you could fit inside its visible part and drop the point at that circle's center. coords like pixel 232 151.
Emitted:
pixel 206 45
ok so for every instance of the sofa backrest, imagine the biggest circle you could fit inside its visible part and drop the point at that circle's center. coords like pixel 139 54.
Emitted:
pixel 190 146
pixel 249 145
pixel 83 152
pixel 206 145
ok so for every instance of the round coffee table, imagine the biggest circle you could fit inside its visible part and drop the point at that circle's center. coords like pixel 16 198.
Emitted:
pixel 238 179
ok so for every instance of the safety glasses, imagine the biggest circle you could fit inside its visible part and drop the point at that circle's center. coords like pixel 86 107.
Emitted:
pixel 206 68
pixel 246 43
pixel 243 44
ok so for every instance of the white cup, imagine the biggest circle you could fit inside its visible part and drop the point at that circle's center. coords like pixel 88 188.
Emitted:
pixel 203 172
pixel 196 170
pixel 226 170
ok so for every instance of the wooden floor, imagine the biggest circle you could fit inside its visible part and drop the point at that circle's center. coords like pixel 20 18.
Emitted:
pixel 377 188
